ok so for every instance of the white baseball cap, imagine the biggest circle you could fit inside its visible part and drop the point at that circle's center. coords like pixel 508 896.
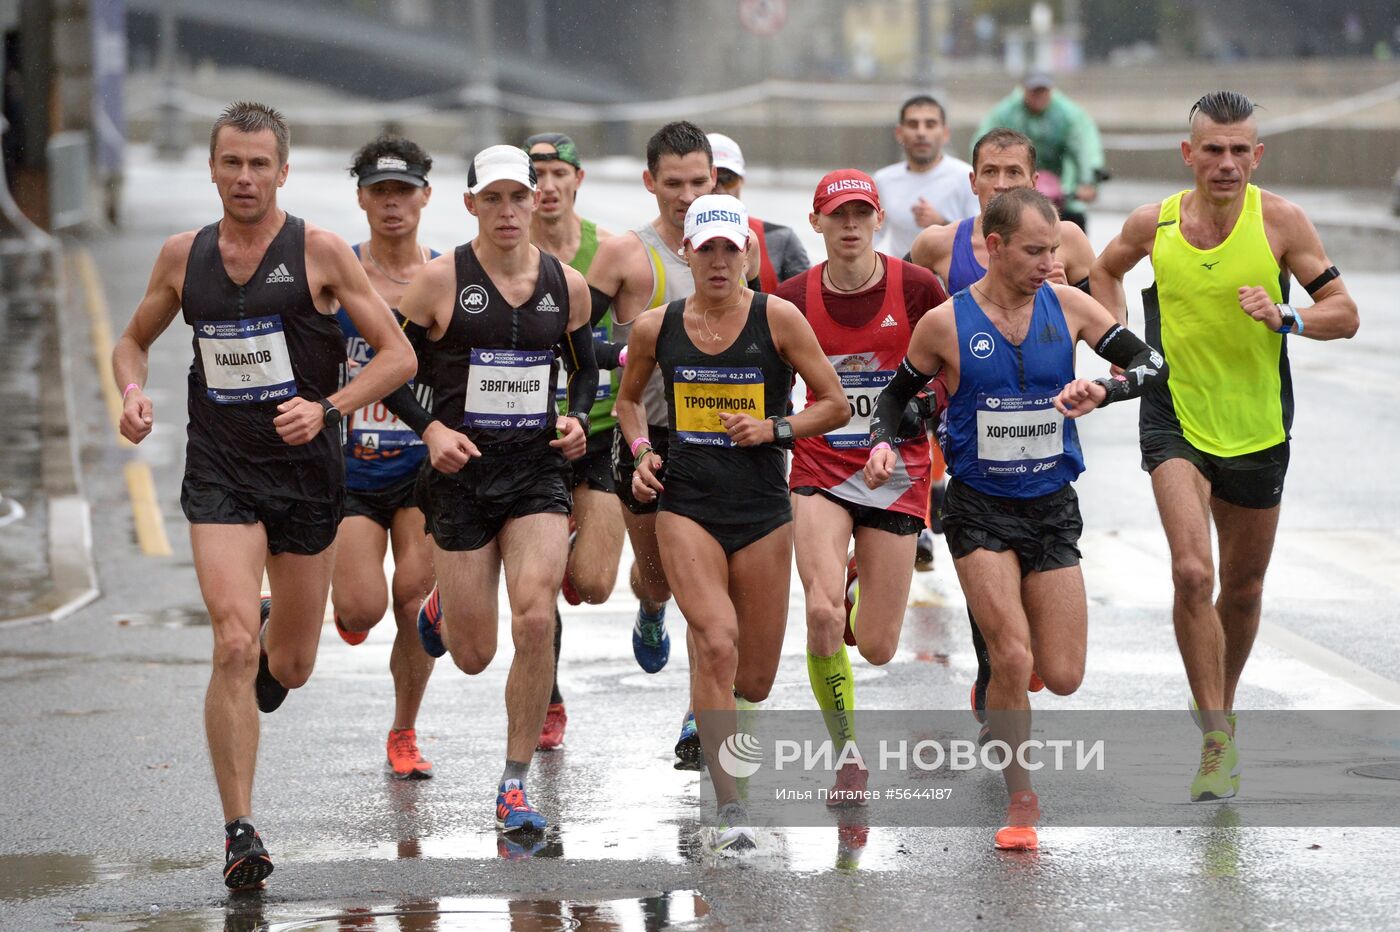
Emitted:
pixel 727 153
pixel 714 215
pixel 500 163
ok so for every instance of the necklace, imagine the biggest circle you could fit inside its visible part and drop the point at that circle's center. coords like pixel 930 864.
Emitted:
pixel 369 250
pixel 705 319
pixel 989 300
pixel 832 282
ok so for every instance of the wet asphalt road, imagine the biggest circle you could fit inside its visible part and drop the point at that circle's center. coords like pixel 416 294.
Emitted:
pixel 111 820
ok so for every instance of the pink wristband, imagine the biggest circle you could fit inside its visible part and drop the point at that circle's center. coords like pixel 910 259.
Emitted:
pixel 637 443
pixel 622 357
pixel 882 445
pixel 127 391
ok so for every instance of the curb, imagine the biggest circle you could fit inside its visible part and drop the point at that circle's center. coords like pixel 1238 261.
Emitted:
pixel 72 570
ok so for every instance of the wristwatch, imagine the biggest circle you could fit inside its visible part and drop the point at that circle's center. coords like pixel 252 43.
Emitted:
pixel 583 420
pixel 1290 318
pixel 782 433
pixel 332 415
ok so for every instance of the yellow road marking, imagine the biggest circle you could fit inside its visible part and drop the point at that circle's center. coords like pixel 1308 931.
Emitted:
pixel 150 525
pixel 140 486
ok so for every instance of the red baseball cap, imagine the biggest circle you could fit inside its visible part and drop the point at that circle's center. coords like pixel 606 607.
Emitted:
pixel 842 185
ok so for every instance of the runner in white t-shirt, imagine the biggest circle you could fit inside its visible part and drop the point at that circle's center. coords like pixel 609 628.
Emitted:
pixel 929 187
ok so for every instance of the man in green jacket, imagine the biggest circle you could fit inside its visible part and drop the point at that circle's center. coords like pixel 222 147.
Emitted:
pixel 1065 136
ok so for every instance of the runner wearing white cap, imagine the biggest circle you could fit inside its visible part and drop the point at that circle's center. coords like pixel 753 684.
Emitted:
pixel 632 274
pixel 780 252
pixel 496 496
pixel 727 356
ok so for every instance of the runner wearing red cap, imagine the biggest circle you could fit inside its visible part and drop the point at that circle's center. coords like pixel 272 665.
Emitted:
pixel 863 306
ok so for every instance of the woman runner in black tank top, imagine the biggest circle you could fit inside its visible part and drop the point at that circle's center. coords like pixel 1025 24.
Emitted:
pixel 737 493
pixel 256 345
pixel 725 525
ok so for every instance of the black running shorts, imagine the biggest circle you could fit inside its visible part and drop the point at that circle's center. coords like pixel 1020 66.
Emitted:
pixel 1043 532
pixel 881 519
pixel 594 468
pixel 622 467
pixel 380 505
pixel 1251 480
pixel 293 525
pixel 466 511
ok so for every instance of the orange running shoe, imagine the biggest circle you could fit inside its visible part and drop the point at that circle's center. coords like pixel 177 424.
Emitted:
pixel 1036 684
pixel 353 638
pixel 404 759
pixel 552 734
pixel 1022 814
pixel 849 791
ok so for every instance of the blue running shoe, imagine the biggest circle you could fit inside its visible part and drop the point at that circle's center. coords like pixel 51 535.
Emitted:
pixel 651 645
pixel 689 754
pixel 430 625
pixel 514 812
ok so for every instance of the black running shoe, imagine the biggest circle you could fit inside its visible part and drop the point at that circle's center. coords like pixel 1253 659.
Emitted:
pixel 246 861
pixel 270 692
pixel 689 754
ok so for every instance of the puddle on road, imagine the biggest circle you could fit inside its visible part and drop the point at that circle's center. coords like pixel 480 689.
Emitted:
pixel 248 913
pixel 29 876
pixel 164 618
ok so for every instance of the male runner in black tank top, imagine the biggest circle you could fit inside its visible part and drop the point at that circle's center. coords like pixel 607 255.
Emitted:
pixel 264 478
pixel 495 492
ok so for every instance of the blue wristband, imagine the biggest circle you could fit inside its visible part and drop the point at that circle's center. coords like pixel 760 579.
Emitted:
pixel 1299 318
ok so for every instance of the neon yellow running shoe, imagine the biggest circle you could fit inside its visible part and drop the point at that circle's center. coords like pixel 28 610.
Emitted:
pixel 1218 760
pixel 1232 720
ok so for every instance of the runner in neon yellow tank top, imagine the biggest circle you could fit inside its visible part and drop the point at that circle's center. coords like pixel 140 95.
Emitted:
pixel 596 547
pixel 1216 440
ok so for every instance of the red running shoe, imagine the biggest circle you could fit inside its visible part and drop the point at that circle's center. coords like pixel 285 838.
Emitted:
pixel 353 638
pixel 552 734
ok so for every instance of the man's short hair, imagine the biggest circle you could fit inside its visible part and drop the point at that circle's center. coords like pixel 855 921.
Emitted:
pixel 1223 107
pixel 922 100
pixel 248 117
pixel 391 146
pixel 1003 214
pixel 1003 138
pixel 679 138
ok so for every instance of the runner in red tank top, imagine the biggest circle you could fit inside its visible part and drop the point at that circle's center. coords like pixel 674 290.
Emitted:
pixel 863 307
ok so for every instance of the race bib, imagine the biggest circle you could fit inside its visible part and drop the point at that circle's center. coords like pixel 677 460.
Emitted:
pixel 245 360
pixel 861 388
pixel 701 393
pixel 604 389
pixel 508 388
pixel 1018 435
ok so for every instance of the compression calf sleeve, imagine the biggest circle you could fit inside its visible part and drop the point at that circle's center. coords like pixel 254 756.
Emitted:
pixel 835 691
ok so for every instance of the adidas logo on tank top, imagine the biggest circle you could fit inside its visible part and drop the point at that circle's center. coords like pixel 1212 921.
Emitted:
pixel 752 350
pixel 547 304
pixel 279 274
pixel 889 321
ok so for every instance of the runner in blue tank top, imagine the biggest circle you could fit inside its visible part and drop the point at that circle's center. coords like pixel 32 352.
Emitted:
pixel 1006 348
pixel 383 454
pixel 1001 160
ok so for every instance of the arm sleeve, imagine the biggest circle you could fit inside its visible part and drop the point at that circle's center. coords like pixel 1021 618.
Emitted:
pixel 890 406
pixel 1143 367
pixel 601 304
pixel 404 401
pixel 606 353
pixel 582 367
